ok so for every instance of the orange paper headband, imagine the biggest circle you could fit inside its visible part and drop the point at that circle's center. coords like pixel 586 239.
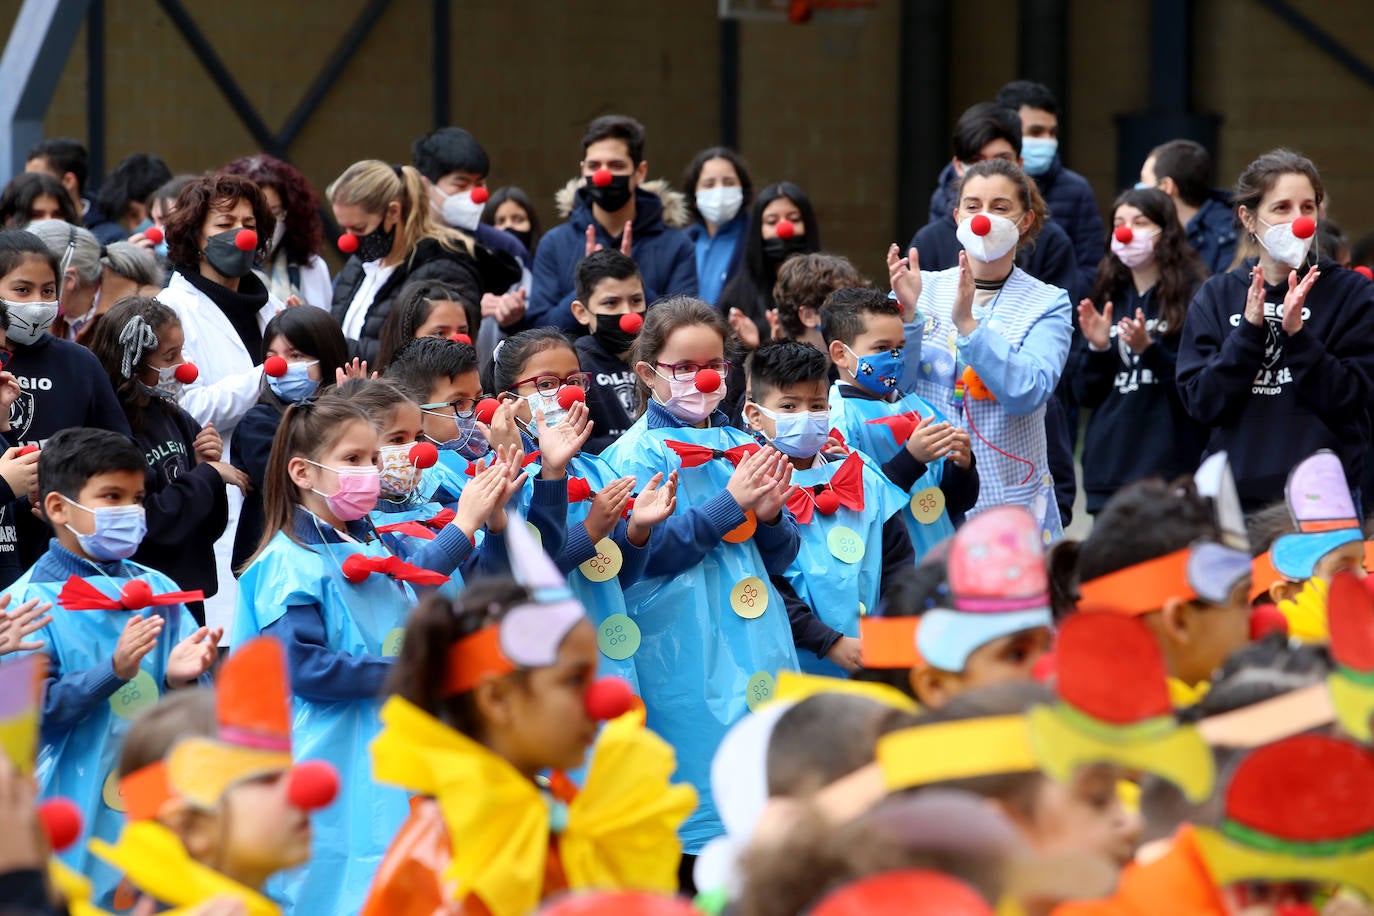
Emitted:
pixel 1141 588
pixel 475 658
pixel 889 642
pixel 145 791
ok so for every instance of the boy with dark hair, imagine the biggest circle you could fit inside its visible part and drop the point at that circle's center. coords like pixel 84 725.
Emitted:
pixel 1068 194
pixel 852 539
pixel 866 342
pixel 1183 170
pixel 612 208
pixel 66 160
pixel 120 634
pixel 610 305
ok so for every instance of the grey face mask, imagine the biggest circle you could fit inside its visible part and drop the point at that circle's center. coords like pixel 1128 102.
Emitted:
pixel 225 257
pixel 28 320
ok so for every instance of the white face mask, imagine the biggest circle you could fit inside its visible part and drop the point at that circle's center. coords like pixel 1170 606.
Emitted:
pixel 1000 239
pixel 720 204
pixel 28 320
pixel 1283 246
pixel 278 233
pixel 461 213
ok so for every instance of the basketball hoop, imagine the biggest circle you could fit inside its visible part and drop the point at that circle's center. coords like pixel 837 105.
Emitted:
pixel 840 23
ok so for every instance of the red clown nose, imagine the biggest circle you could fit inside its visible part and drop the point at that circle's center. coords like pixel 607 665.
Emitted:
pixel 61 822
pixel 153 234
pixel 568 396
pixel 424 455
pixel 828 502
pixel 708 380
pixel 348 243
pixel 785 229
pixel 246 240
pixel 1304 227
pixel 609 698
pixel 186 373
pixel 486 409
pixel 631 322
pixel 312 785
pixel 1124 235
pixel 980 224
pixel 460 338
pixel 1365 272
pixel 136 593
pixel 274 366
pixel 480 195
pixel 27 450
pixel 602 177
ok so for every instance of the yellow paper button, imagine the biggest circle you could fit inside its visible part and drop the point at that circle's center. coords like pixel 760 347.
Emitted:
pixel 759 690
pixel 928 505
pixel 845 544
pixel 391 645
pixel 618 637
pixel 749 597
pixel 135 696
pixel 109 793
pixel 606 564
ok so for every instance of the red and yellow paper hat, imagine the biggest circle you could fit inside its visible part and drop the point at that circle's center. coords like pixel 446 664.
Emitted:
pixel 1297 810
pixel 1350 616
pixel 1113 707
pixel 253 709
pixel 908 892
pixel 21 705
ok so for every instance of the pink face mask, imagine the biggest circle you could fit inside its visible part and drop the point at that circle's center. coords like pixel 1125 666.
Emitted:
pixel 1137 252
pixel 359 489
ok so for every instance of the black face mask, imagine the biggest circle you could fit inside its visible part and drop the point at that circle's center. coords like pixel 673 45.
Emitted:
pixel 521 235
pixel 776 250
pixel 377 243
pixel 225 257
pixel 613 196
pixel 610 337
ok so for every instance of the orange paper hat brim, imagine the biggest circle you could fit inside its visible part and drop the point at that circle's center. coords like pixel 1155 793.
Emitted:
pixel 201 770
pixel 889 642
pixel 253 696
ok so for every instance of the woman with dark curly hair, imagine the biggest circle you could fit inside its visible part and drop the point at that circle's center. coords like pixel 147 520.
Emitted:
pixel 292 265
pixel 1124 364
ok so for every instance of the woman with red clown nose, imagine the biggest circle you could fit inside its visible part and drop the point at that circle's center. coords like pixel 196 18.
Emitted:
pixel 1275 356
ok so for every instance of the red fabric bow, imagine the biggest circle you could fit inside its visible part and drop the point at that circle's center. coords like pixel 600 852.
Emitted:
pixel 359 566
pixel 695 455
pixel 901 426
pixel 529 459
pixel 847 484
pixel 422 528
pixel 580 490
pixel 79 595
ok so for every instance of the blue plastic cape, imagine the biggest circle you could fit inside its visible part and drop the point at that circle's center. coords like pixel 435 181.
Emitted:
pixel 405 545
pixel 368 618
pixel 82 763
pixel 851 415
pixel 443 482
pixel 839 569
pixel 698 660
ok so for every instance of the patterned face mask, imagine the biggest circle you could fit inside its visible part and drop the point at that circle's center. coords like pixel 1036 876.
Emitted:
pixel 399 477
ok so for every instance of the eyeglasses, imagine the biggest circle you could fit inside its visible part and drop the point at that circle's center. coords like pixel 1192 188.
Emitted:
pixel 463 407
pixel 550 384
pixel 686 372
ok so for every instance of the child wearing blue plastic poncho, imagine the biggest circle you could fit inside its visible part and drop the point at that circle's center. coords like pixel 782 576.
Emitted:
pixel 108 657
pixel 713 630
pixel 328 588
pixel 863 330
pixel 853 540
pixel 536 373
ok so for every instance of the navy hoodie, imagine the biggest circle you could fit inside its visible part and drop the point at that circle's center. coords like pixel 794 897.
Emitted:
pixel 666 258
pixel 612 399
pixel 1138 426
pixel 1271 399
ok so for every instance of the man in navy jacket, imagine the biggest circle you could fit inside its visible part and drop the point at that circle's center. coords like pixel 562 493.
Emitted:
pixel 619 214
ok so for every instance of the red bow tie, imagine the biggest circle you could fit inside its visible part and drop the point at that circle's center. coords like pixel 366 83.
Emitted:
pixel 580 490
pixel 422 528
pixel 359 566
pixel 695 455
pixel 79 595
pixel 529 459
pixel 901 426
pixel 846 488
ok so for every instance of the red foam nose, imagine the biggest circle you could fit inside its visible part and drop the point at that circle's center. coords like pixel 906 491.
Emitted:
pixel 1304 227
pixel 246 240
pixel 785 229
pixel 136 594
pixel 355 568
pixel 460 338
pixel 602 177
pixel 424 455
pixel 274 366
pixel 1266 619
pixel 186 373
pixel 631 322
pixel 27 450
pixel 1365 272
pixel 486 409
pixel 61 821
pixel 153 234
pixel 827 502
pixel 980 225
pixel 313 785
pixel 568 396
pixel 609 698
pixel 348 243
pixel 1124 235
pixel 480 195
pixel 708 380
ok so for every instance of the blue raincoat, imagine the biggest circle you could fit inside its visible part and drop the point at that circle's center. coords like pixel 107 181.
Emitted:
pixel 363 619
pixel 713 630
pixel 839 569
pixel 87 708
pixel 851 415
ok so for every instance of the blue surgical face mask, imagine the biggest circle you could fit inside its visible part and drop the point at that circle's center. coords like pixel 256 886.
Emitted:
pixel 798 435
pixel 296 384
pixel 118 531
pixel 470 443
pixel 547 405
pixel 881 372
pixel 1037 154
pixel 1143 186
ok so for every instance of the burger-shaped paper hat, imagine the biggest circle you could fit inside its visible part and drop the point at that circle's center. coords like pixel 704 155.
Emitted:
pixel 1323 512
pixel 908 892
pixel 21 703
pixel 1297 810
pixel 1113 707
pixel 1207 570
pixel 1350 612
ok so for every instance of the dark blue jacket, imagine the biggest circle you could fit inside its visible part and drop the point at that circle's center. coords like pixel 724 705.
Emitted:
pixel 500 240
pixel 1213 231
pixel 101 226
pixel 1271 399
pixel 666 257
